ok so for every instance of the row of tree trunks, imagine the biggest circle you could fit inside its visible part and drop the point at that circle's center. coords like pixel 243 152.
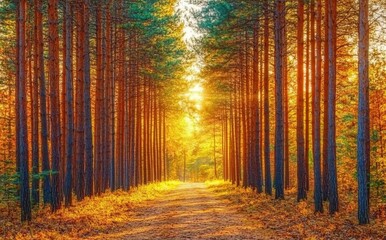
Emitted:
pixel 249 93
pixel 125 144
pixel 249 104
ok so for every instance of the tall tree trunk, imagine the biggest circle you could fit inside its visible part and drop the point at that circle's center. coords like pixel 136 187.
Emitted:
pixel 309 69
pixel 318 194
pixel 138 123
pixel 243 80
pixel 232 168
pixel 279 131
pixel 237 135
pixel 257 100
pixel 22 114
pixel 69 101
pixel 110 99
pixel 98 115
pixel 63 105
pixel 43 105
pixel 88 147
pixel 363 141
pixel 19 22
pixel 325 105
pixel 301 166
pixel 267 159
pixel 285 107
pixel 35 113
pixel 80 124
pixel 121 98
pixel 53 74
pixel 331 146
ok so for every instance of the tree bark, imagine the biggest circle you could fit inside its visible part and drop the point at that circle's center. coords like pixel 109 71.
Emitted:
pixel 69 101
pixel 88 145
pixel 43 105
pixel 35 113
pixel 279 130
pixel 53 74
pixel 301 166
pixel 318 194
pixel 21 95
pixel 267 159
pixel 331 146
pixel 363 138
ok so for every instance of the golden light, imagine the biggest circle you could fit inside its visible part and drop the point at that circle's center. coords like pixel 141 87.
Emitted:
pixel 186 7
pixel 194 94
pixel 197 88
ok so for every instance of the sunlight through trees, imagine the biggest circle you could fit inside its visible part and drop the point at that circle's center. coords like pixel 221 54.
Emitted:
pixel 284 99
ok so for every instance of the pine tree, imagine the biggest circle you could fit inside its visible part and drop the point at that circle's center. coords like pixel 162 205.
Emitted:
pixel 21 109
pixel 279 131
pixel 53 70
pixel 363 138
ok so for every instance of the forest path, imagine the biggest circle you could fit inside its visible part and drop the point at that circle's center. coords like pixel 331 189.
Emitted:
pixel 191 211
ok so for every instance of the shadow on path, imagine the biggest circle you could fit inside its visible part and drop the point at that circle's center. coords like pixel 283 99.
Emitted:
pixel 188 212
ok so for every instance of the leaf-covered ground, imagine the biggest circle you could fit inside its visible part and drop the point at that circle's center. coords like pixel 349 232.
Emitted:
pixel 87 219
pixel 289 219
pixel 215 210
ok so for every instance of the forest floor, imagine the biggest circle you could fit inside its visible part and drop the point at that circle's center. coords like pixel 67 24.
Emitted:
pixel 215 210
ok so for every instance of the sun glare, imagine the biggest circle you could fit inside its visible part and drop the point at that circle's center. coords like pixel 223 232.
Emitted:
pixel 194 93
pixel 185 7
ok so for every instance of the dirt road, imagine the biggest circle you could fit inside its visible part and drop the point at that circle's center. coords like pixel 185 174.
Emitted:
pixel 189 212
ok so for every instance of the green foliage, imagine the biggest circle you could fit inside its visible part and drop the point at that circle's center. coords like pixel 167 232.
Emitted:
pixel 160 43
pixel 43 174
pixel 215 14
pixel 348 118
pixel 9 183
pixel 7 8
pixel 378 179
pixel 201 169
pixel 8 187
pixel 374 137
